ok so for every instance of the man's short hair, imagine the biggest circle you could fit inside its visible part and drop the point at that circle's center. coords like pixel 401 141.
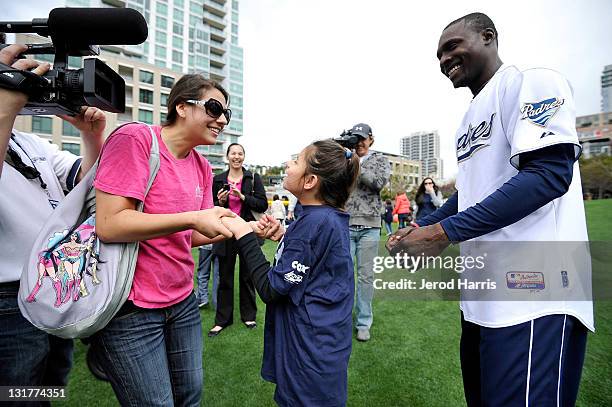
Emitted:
pixel 478 22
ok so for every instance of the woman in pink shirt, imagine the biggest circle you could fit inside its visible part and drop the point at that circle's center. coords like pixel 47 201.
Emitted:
pixel 152 350
pixel 243 193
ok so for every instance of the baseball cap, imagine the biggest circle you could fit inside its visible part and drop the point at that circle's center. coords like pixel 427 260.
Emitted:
pixel 362 130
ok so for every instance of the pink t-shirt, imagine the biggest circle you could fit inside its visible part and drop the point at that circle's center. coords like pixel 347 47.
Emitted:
pixel 164 269
pixel 235 203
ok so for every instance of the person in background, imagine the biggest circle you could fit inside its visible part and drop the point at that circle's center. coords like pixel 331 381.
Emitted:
pixel 278 209
pixel 388 216
pixel 206 259
pixel 364 206
pixel 243 193
pixel 402 209
pixel 428 198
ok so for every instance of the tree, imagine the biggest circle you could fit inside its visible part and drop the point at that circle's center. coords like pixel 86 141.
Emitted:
pixel 596 174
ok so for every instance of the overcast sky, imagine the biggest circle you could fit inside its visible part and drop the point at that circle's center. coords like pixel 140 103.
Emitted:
pixel 313 68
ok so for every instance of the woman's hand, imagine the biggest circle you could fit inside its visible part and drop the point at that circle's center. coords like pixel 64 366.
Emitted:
pixel 236 192
pixel 222 196
pixel 429 189
pixel 209 222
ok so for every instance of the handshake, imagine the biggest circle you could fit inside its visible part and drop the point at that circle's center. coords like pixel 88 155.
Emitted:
pixel 217 221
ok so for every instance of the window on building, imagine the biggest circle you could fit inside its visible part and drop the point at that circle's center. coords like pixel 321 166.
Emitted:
pixel 146 96
pixel 145 116
pixel 162 8
pixel 177 28
pixel 163 100
pixel 194 20
pixel 196 8
pixel 161 63
pixel 235 29
pixel 178 15
pixel 160 52
pixel 177 42
pixel 162 117
pixel 161 37
pixel 69 130
pixel 162 23
pixel 235 5
pixel 167 81
pixel 146 76
pixel 42 124
pixel 177 56
pixel 74 148
pixel 179 3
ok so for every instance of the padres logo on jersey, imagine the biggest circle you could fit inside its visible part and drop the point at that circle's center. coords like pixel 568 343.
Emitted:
pixel 474 139
pixel 541 112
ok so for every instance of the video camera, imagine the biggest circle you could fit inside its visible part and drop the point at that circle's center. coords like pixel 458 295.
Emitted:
pixel 74 32
pixel 347 139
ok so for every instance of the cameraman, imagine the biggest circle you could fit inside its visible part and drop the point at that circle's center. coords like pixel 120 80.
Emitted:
pixel 364 206
pixel 33 177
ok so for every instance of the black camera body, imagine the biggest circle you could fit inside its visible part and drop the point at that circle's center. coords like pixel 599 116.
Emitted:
pixel 63 91
pixel 347 139
pixel 73 32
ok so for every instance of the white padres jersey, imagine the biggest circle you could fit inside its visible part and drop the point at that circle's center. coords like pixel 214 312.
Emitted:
pixel 24 205
pixel 518 112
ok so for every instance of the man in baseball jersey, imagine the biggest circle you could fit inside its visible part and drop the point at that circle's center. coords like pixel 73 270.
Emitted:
pixel 518 181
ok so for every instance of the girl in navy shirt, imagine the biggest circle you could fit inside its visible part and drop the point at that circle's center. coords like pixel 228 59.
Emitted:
pixel 310 288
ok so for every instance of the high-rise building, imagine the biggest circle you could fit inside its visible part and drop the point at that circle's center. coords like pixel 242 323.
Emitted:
pixel 595 134
pixel 606 89
pixel 185 36
pixel 424 147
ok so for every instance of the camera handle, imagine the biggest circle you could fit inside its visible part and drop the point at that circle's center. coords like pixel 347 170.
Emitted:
pixel 22 81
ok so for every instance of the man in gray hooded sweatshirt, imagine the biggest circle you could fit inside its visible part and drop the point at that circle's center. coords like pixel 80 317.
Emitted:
pixel 364 206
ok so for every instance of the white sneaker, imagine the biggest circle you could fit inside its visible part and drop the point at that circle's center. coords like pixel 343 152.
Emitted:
pixel 363 334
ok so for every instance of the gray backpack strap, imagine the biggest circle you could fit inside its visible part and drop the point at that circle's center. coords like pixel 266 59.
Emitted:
pixel 153 164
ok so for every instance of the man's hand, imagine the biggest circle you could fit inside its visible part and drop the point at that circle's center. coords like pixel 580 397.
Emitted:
pixel 13 101
pixel 392 243
pixel 91 122
pixel 426 241
pixel 208 222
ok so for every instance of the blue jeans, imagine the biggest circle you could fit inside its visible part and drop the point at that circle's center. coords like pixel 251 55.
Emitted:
pixel 388 227
pixel 364 247
pixel 29 356
pixel 206 257
pixel 153 357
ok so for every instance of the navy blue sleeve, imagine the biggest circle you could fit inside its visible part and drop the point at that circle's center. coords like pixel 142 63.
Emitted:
pixel 72 175
pixel 544 175
pixel 448 209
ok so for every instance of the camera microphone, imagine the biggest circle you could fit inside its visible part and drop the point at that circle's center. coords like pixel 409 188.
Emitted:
pixel 87 26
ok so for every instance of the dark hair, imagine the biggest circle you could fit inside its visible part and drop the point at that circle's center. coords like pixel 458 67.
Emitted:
pixel 478 22
pixel 388 202
pixel 232 145
pixel 190 86
pixel 2 38
pixel 337 173
pixel 275 197
pixel 421 191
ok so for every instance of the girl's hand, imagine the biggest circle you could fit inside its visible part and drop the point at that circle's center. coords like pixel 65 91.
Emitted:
pixel 208 222
pixel 272 227
pixel 236 192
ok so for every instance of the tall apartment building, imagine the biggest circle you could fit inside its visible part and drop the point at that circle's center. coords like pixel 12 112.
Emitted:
pixel 185 36
pixel 595 134
pixel 606 89
pixel 424 147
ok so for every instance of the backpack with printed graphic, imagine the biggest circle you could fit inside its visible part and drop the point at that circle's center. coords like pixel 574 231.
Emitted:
pixel 73 284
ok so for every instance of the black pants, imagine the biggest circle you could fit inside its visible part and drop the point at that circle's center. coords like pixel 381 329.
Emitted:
pixel 225 292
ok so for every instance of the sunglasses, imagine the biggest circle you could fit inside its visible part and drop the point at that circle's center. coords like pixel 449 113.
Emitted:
pixel 213 108
pixel 15 161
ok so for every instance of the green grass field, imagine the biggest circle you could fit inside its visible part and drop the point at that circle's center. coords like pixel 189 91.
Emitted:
pixel 412 359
